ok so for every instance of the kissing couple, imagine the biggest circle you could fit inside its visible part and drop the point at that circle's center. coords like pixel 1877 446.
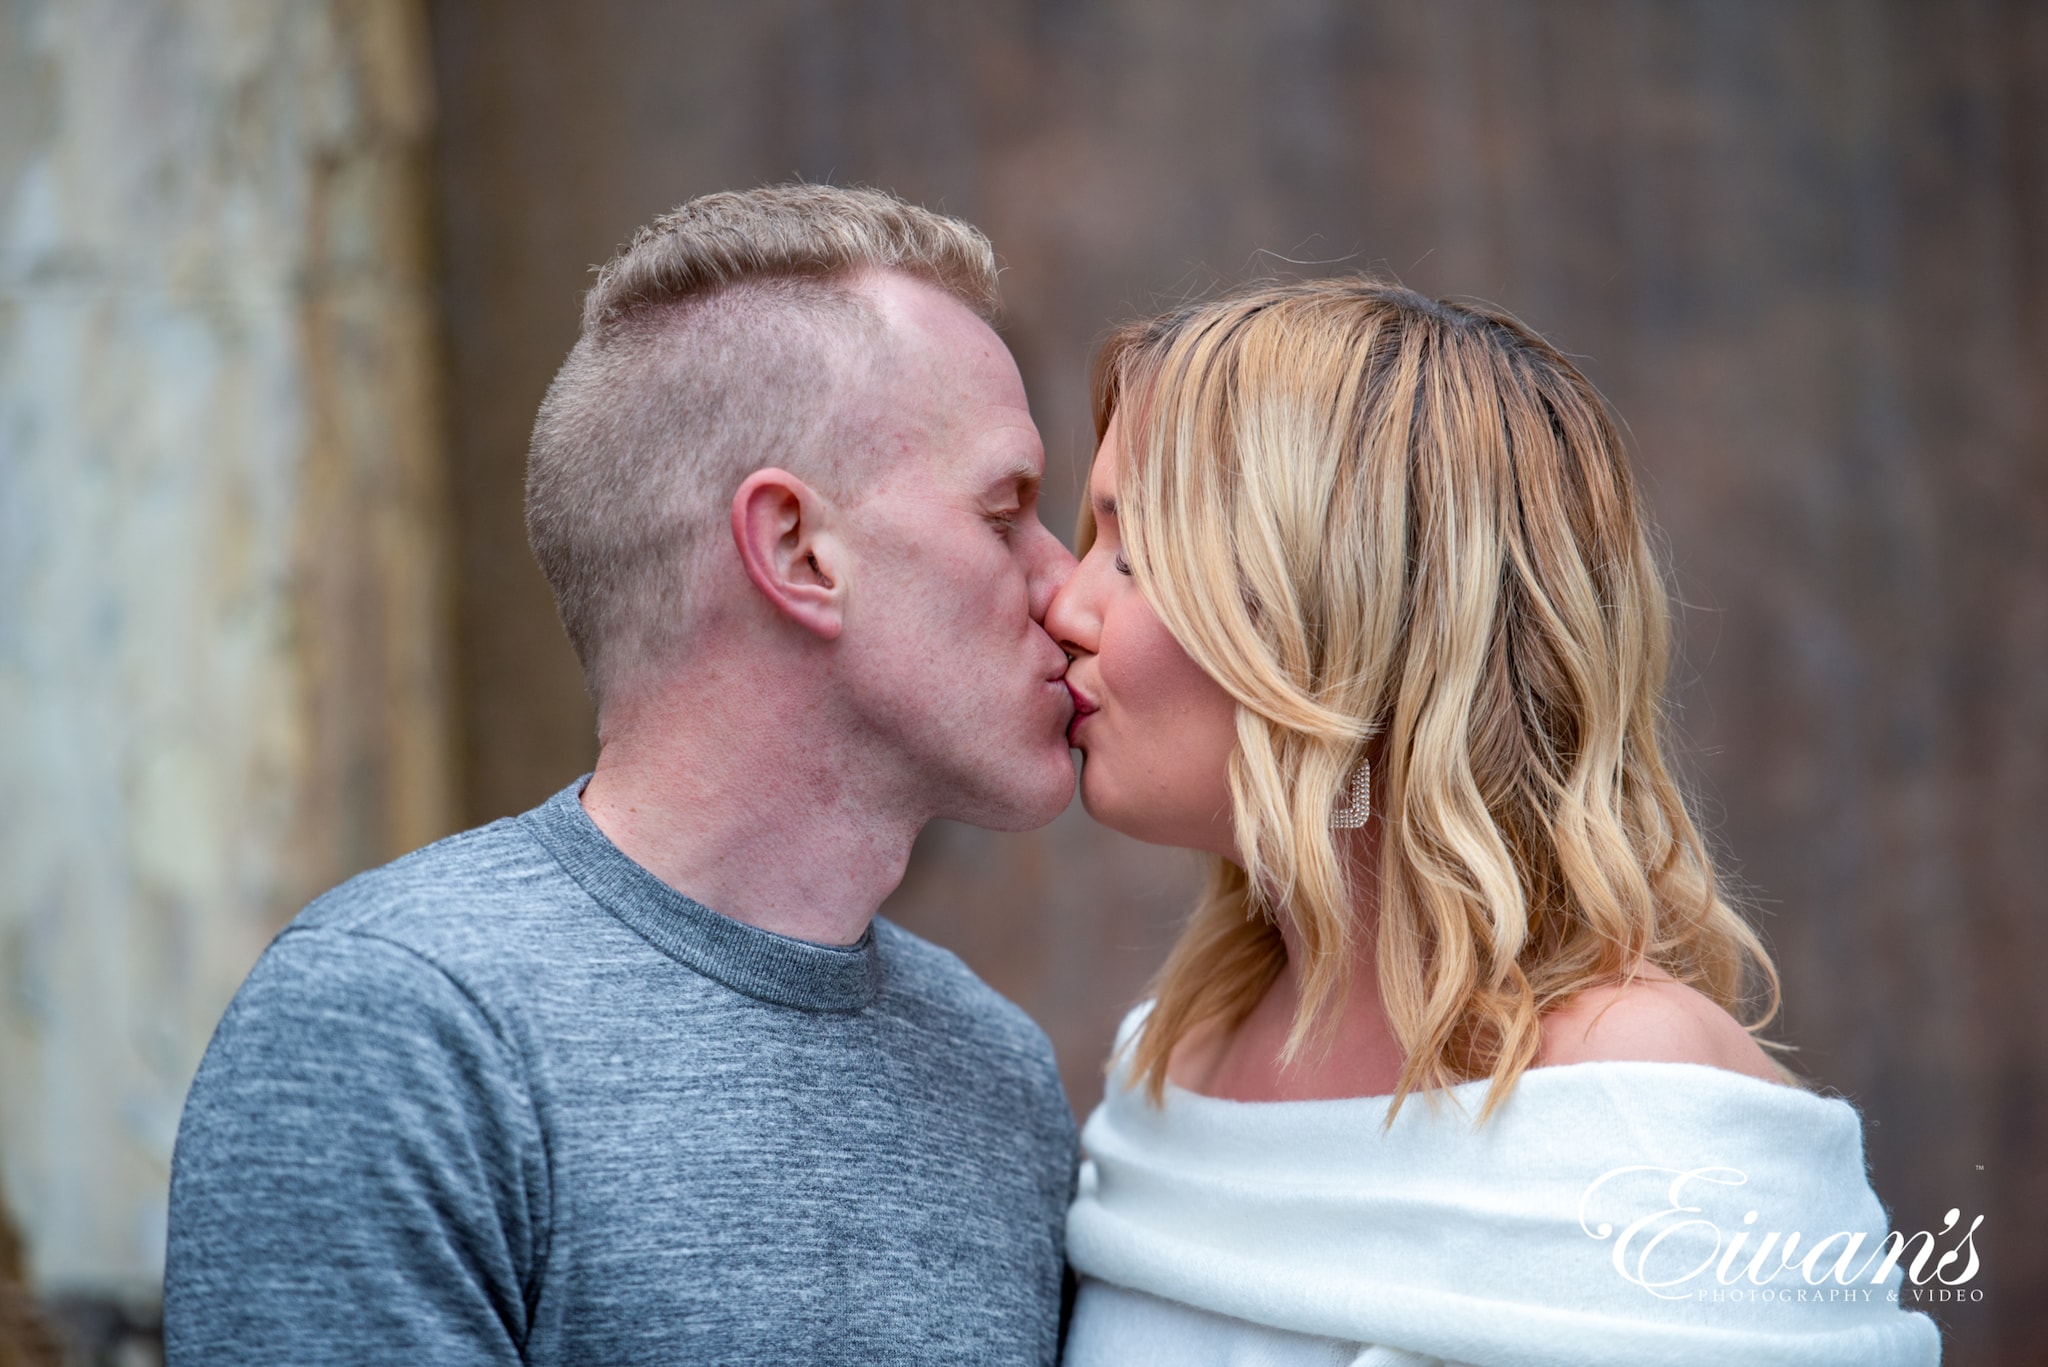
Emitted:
pixel 1450 1063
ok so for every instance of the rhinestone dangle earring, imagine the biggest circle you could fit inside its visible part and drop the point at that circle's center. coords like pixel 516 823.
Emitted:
pixel 1357 809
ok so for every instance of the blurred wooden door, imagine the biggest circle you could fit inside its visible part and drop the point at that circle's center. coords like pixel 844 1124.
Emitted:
pixel 1799 246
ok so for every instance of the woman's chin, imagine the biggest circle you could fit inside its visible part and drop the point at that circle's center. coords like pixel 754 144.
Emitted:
pixel 1091 801
pixel 1136 820
pixel 1103 806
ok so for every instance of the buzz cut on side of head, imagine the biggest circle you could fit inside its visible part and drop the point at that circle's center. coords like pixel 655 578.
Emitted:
pixel 727 337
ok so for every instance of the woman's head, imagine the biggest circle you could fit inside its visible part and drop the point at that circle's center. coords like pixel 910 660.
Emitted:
pixel 1363 524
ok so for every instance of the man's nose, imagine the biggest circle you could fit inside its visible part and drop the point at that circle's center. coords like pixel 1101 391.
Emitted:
pixel 1052 567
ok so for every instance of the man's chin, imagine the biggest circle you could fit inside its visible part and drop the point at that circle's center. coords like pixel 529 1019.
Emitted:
pixel 1025 806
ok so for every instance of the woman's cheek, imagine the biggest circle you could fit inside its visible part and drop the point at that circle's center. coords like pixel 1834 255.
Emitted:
pixel 1175 727
pixel 1142 665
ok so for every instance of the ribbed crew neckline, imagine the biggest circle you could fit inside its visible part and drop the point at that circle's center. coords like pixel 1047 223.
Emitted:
pixel 759 963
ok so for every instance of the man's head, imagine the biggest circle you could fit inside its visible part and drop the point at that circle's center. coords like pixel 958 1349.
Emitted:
pixel 789 436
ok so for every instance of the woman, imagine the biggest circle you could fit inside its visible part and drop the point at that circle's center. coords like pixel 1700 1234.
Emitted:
pixel 1450 1063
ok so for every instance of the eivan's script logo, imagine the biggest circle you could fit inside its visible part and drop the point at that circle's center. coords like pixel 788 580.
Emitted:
pixel 1668 1248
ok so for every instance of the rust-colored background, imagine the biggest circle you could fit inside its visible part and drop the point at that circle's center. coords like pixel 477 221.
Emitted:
pixel 1799 245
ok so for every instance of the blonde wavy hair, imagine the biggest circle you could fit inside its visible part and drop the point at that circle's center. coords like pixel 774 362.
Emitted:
pixel 1406 530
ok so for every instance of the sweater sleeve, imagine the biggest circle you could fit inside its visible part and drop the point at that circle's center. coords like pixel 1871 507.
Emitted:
pixel 359 1174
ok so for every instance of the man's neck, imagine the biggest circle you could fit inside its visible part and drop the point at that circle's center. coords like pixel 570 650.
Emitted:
pixel 745 814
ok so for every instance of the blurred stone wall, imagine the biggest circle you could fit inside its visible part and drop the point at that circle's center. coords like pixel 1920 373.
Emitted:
pixel 1798 245
pixel 223 675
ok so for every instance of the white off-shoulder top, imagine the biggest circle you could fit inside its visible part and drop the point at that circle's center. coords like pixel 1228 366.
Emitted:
pixel 1608 1213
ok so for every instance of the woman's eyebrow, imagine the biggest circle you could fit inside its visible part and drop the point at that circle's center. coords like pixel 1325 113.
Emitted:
pixel 1105 507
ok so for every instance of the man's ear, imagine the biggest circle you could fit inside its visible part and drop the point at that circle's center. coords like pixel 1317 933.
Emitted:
pixel 779 527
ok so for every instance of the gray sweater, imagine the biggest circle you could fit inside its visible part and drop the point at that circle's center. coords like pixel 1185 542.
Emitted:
pixel 513 1099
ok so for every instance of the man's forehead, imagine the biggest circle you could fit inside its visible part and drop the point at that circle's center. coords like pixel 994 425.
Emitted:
pixel 934 337
pixel 950 385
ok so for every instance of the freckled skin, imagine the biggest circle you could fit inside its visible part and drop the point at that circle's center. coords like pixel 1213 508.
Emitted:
pixel 953 572
pixel 871 656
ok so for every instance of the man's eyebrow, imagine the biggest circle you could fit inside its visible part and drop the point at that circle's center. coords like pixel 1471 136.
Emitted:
pixel 1024 475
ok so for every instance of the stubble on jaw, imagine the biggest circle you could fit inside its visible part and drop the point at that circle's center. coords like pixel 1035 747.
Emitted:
pixel 946 419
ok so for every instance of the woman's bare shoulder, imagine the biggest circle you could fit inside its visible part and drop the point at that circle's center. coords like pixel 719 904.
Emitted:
pixel 1651 1020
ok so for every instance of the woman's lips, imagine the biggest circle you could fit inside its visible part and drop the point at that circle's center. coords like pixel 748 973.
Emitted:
pixel 1082 708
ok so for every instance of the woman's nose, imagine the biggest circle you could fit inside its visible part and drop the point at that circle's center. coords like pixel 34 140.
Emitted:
pixel 1070 619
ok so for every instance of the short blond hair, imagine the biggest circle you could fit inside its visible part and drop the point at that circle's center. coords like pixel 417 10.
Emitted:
pixel 1403 528
pixel 724 338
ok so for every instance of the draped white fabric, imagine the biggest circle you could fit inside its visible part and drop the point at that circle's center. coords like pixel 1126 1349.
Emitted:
pixel 1597 1218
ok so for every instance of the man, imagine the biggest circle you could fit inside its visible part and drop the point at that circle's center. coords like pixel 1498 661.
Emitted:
pixel 638 1077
